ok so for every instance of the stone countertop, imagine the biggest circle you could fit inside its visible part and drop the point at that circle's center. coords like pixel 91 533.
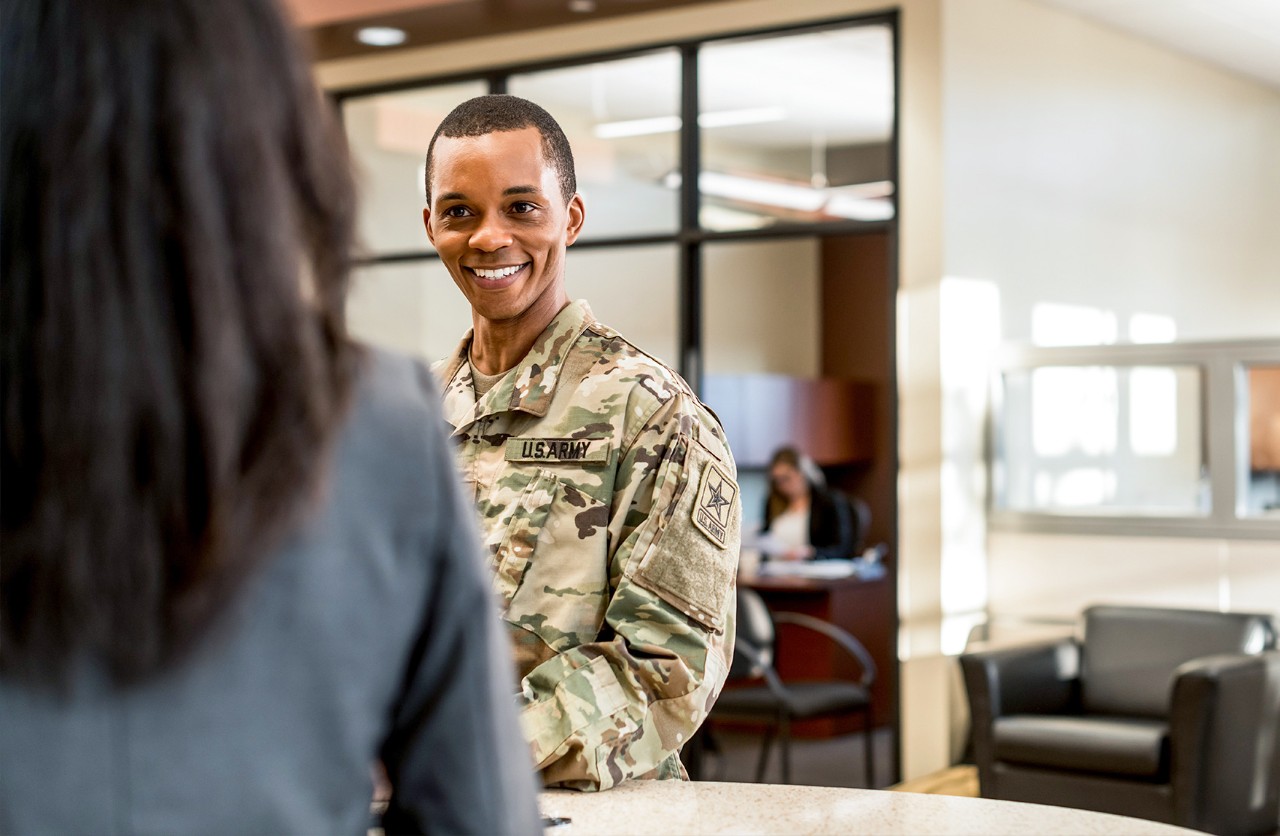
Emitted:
pixel 704 807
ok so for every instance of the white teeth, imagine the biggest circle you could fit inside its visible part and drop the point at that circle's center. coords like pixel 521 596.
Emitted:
pixel 496 274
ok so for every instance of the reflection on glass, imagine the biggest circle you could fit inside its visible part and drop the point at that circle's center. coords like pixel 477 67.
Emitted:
pixel 633 290
pixel 1103 440
pixel 413 307
pixel 622 119
pixel 389 134
pixel 761 307
pixel 1262 493
pixel 796 128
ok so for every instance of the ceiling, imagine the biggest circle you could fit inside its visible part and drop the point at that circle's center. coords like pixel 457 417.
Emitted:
pixel 332 24
pixel 1240 35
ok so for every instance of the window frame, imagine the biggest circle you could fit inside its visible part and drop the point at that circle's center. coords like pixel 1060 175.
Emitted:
pixel 1224 428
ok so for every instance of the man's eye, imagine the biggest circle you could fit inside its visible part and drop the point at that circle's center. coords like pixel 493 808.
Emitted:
pixel 456 212
pixel 520 207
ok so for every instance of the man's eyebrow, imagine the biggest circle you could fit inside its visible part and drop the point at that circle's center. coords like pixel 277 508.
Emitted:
pixel 513 190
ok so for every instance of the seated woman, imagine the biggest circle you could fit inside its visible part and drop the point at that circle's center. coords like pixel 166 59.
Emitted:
pixel 803 518
pixel 236 567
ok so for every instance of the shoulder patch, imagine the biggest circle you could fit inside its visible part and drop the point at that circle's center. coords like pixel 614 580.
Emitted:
pixel 714 505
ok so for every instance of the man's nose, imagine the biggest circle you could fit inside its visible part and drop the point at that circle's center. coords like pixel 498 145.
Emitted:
pixel 491 234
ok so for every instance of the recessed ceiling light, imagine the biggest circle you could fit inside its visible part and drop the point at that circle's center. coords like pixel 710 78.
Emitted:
pixel 381 36
pixel 582 7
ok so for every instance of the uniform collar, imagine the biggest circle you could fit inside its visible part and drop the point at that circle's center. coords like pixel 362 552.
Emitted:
pixel 530 387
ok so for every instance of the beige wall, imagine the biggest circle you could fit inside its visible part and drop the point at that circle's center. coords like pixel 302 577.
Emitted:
pixel 1086 167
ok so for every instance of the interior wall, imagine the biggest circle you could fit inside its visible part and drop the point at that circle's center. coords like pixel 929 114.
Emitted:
pixel 1055 576
pixel 1085 167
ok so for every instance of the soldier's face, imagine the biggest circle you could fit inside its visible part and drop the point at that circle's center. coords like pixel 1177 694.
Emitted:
pixel 501 225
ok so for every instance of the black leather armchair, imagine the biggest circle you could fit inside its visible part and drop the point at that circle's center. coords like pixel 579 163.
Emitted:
pixel 1163 714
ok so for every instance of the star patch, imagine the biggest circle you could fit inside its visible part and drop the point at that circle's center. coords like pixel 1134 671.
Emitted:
pixel 714 505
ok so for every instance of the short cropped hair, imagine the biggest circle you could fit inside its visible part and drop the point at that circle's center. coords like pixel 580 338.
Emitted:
pixel 501 112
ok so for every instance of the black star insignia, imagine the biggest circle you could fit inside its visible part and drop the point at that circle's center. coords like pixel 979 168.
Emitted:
pixel 717 501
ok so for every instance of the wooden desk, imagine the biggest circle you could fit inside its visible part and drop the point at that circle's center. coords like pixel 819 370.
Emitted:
pixel 639 808
pixel 862 607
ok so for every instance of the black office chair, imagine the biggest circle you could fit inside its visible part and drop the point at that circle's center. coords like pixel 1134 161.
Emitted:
pixel 860 511
pixel 778 703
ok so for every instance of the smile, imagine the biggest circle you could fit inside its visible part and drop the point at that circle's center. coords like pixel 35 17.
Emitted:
pixel 498 273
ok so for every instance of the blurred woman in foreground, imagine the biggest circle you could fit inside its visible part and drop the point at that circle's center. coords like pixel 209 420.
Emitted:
pixel 236 569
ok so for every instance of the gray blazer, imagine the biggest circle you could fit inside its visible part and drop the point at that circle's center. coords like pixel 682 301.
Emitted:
pixel 369 634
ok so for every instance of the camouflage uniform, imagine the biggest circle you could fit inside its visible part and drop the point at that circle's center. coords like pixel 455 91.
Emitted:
pixel 608 501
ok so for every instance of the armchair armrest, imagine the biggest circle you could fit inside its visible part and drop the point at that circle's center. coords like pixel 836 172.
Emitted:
pixel 1040 678
pixel 843 638
pixel 1225 741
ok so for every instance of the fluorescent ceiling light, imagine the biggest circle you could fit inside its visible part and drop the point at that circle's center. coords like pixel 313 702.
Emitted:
pixel 860 202
pixel 638 127
pixel 746 116
pixel 671 124
pixel 763 192
pixel 860 208
pixel 381 36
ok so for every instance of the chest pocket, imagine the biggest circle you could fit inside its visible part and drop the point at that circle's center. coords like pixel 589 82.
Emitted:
pixel 550 565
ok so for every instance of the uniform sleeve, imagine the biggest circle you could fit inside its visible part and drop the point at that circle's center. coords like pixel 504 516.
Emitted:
pixel 622 706
pixel 454 755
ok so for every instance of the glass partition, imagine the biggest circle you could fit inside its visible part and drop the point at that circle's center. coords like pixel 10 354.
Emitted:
pixel 761 309
pixel 388 135
pixel 622 119
pixel 633 290
pixel 797 128
pixel 412 307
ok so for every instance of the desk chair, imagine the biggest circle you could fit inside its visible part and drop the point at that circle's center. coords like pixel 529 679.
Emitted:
pixel 777 703
pixel 1163 714
pixel 860 511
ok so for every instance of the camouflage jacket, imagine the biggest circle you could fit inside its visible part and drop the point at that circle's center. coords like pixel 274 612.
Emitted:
pixel 608 502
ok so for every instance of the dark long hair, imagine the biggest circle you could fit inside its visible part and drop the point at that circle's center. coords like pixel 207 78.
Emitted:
pixel 176 220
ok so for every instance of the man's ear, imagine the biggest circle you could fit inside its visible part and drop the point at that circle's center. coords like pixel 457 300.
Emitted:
pixel 577 214
pixel 426 221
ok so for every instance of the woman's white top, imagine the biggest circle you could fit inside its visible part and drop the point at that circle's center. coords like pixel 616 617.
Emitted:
pixel 790 530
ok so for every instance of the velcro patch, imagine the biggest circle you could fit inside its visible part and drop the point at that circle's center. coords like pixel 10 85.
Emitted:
pixel 711 511
pixel 557 450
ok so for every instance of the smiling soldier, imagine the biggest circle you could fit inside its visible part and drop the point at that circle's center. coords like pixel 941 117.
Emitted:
pixel 606 492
